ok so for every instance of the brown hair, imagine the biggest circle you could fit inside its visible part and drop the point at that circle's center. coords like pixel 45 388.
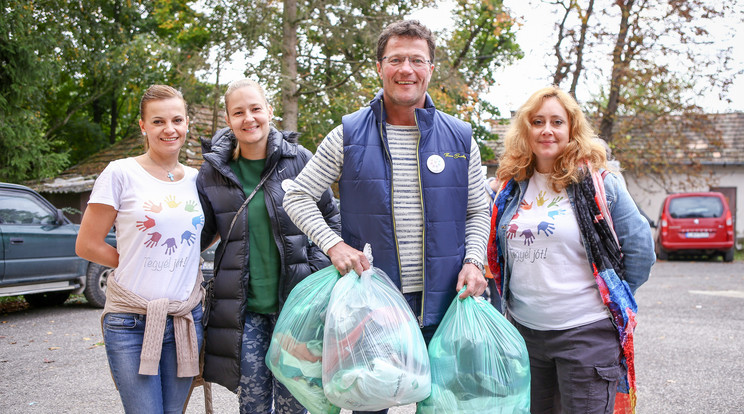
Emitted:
pixel 518 160
pixel 405 28
pixel 159 93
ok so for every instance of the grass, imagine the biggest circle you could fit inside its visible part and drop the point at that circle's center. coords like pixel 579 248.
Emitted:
pixel 738 255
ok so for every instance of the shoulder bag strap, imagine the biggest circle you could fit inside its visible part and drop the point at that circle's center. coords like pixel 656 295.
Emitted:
pixel 218 260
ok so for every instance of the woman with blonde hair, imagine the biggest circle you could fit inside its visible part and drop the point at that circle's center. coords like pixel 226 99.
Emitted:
pixel 568 249
pixel 262 255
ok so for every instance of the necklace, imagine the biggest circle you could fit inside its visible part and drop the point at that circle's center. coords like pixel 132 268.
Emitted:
pixel 170 174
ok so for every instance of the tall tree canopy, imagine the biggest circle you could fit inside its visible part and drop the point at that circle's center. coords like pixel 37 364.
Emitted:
pixel 663 57
pixel 73 71
pixel 317 57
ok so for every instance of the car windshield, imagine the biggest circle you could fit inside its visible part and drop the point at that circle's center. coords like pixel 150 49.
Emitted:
pixel 695 207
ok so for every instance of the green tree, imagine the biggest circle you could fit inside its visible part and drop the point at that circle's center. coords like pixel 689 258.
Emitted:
pixel 483 39
pixel 110 51
pixel 27 71
pixel 317 57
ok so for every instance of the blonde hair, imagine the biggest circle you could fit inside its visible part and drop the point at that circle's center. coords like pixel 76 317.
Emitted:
pixel 159 93
pixel 234 86
pixel 519 162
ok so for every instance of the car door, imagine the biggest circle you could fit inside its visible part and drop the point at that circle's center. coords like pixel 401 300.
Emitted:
pixel 2 252
pixel 37 247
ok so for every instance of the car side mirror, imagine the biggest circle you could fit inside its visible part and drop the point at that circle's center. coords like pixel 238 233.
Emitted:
pixel 60 219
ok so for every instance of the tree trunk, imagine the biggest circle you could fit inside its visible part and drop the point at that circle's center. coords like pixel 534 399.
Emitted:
pixel 216 103
pixel 580 48
pixel 561 68
pixel 619 65
pixel 290 101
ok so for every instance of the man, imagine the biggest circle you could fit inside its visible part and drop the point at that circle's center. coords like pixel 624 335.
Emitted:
pixel 410 183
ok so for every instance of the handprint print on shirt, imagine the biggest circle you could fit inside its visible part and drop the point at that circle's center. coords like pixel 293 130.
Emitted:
pixel 170 245
pixel 555 201
pixel 150 206
pixel 144 225
pixel 545 227
pixel 197 220
pixel 524 205
pixel 189 237
pixel 171 201
pixel 541 198
pixel 512 231
pixel 554 213
pixel 153 240
pixel 528 237
pixel 190 206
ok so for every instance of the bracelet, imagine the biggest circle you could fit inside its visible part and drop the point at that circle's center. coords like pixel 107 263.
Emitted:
pixel 477 264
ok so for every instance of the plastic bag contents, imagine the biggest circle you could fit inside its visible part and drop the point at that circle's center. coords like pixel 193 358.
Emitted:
pixel 374 355
pixel 295 352
pixel 479 363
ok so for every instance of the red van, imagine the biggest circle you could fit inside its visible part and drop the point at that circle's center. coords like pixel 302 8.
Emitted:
pixel 695 223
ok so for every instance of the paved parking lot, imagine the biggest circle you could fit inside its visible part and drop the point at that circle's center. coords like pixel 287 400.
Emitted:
pixel 688 345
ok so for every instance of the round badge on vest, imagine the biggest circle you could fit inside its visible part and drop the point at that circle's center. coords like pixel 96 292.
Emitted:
pixel 287 184
pixel 435 163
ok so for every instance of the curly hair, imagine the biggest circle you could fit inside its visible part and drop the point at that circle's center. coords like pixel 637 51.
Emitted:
pixel 519 162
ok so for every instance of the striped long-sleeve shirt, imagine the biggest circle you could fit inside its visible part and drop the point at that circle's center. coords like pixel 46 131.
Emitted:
pixel 325 167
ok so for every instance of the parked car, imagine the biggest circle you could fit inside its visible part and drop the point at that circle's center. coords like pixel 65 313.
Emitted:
pixel 37 252
pixel 695 223
pixel 208 263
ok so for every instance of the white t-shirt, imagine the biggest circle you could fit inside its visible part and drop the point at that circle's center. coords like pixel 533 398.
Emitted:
pixel 552 285
pixel 158 229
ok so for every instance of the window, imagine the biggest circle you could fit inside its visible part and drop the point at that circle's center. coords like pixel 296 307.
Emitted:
pixel 19 208
pixel 695 207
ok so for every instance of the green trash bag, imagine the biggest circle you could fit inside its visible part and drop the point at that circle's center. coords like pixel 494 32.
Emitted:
pixel 295 352
pixel 479 363
pixel 374 355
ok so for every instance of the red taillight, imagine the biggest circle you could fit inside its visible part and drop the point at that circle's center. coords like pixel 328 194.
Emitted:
pixel 664 223
pixel 729 226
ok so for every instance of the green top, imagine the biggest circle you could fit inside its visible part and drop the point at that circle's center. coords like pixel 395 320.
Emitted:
pixel 264 262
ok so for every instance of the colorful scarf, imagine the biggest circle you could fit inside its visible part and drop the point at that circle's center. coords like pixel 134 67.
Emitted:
pixel 606 260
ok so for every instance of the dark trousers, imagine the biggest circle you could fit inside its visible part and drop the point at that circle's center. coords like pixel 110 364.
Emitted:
pixel 575 370
pixel 414 301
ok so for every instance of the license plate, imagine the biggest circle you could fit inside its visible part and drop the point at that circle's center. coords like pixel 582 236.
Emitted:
pixel 696 234
pixel 208 266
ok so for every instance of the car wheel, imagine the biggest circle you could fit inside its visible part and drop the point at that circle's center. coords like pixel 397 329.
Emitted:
pixel 40 300
pixel 95 284
pixel 662 254
pixel 728 255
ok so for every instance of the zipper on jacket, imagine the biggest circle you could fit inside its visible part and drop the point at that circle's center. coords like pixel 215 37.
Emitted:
pixel 392 204
pixel 423 224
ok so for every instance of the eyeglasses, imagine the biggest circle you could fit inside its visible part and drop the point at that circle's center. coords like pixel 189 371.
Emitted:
pixel 418 62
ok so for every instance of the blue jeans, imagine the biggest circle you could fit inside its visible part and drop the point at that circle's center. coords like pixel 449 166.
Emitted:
pixel 162 393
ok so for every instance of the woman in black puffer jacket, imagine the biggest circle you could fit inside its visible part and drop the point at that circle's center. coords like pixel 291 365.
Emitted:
pixel 263 257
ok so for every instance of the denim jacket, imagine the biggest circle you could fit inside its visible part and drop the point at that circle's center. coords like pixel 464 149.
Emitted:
pixel 632 229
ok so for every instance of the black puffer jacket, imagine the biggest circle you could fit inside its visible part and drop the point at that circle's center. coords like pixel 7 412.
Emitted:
pixel 221 196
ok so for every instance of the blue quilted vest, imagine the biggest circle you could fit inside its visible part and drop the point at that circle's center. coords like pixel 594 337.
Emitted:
pixel 366 193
